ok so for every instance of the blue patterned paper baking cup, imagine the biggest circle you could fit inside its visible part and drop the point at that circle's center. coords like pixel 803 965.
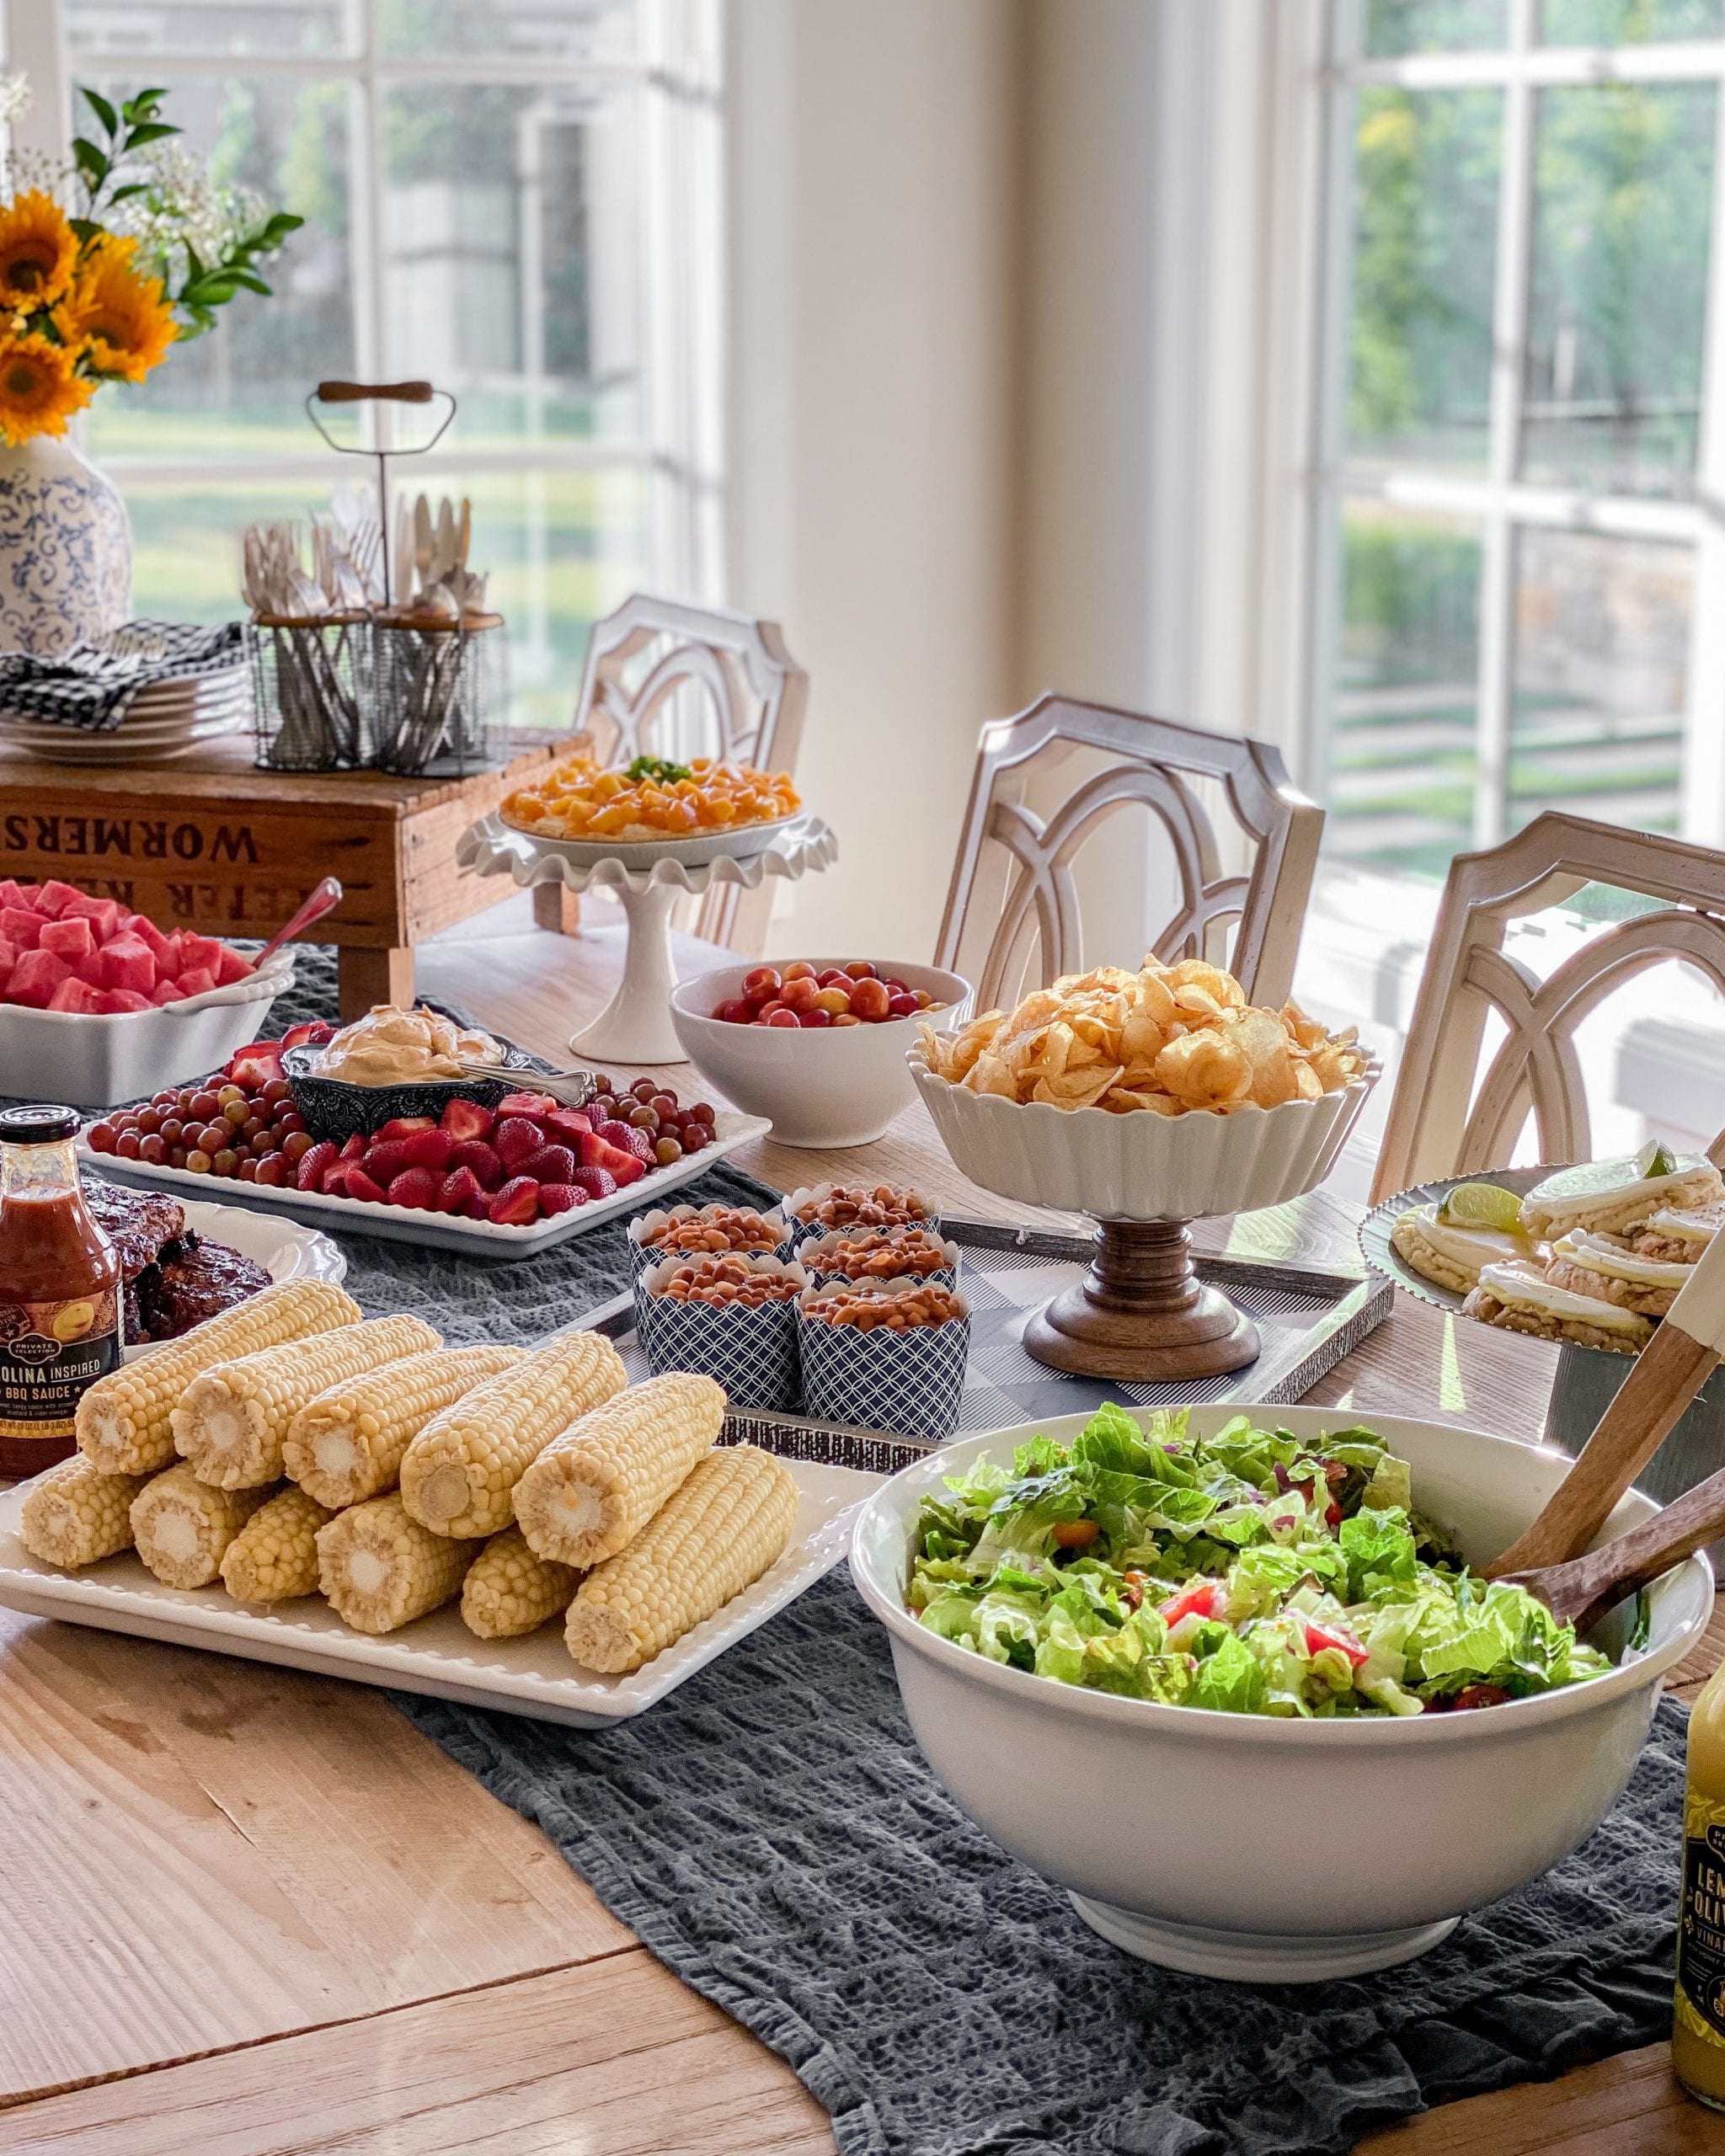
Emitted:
pixel 643 1254
pixel 911 1383
pixel 809 1196
pixel 808 1254
pixel 752 1352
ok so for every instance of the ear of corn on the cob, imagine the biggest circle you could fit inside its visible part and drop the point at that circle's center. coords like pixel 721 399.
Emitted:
pixel 231 1420
pixel 716 1535
pixel 509 1591
pixel 183 1526
pixel 592 1490
pixel 75 1513
pixel 379 1570
pixel 274 1557
pixel 347 1444
pixel 122 1419
pixel 458 1475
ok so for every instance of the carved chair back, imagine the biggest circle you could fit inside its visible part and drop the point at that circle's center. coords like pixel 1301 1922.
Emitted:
pixel 1013 906
pixel 666 679
pixel 1448 1117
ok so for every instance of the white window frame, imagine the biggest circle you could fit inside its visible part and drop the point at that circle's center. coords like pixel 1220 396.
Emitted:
pixel 1500 503
pixel 675 76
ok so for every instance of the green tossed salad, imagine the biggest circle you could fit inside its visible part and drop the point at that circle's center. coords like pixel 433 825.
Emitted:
pixel 1248 1572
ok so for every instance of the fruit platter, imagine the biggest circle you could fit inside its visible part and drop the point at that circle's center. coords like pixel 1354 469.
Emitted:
pixel 502 1180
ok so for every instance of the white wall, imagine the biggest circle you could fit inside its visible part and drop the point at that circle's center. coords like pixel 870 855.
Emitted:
pixel 873 189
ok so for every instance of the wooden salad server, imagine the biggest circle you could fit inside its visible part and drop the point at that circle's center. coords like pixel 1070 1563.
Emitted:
pixel 1666 1376
pixel 1581 1592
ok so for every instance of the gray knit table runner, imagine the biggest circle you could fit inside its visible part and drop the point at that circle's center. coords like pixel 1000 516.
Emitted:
pixel 771 1832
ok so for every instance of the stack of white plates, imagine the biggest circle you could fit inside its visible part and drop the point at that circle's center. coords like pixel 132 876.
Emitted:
pixel 169 718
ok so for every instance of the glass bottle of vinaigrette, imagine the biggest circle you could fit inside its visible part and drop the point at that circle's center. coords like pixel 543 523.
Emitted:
pixel 1698 2030
pixel 59 1289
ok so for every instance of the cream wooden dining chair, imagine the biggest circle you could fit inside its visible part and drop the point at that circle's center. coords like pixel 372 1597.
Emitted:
pixel 1447 1116
pixel 663 679
pixel 1013 916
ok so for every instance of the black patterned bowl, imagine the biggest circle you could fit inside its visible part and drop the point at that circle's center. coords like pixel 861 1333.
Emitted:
pixel 338 1109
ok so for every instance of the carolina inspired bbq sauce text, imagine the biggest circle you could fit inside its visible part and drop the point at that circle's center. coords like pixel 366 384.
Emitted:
pixel 59 1289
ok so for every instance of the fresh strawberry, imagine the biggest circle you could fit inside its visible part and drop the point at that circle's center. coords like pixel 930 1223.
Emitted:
pixel 404 1126
pixel 334 1182
pixel 458 1186
pixel 310 1033
pixel 417 1187
pixel 550 1164
pixel 466 1119
pixel 385 1160
pixel 628 1139
pixel 563 1124
pixel 355 1147
pixel 555 1197
pixel 361 1183
pixel 478 1156
pixel 525 1104
pixel 429 1148
pixel 476 1208
pixel 312 1162
pixel 624 1168
pixel 254 1067
pixel 597 1182
pixel 516 1204
pixel 514 1138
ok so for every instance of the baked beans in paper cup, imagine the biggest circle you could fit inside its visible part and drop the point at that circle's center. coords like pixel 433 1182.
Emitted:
pixel 863 1363
pixel 817 1209
pixel 865 1256
pixel 727 1315
pixel 693 1230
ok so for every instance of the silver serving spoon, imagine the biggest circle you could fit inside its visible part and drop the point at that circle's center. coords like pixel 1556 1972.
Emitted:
pixel 569 1089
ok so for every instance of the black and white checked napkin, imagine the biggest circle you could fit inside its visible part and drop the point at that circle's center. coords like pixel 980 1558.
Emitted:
pixel 93 686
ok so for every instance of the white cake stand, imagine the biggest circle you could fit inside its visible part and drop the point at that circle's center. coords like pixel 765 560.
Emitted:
pixel 635 1027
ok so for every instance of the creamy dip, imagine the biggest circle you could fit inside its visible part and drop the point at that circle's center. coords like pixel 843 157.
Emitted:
pixel 392 1047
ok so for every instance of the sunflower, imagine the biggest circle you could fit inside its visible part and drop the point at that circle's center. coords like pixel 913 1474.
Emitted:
pixel 38 252
pixel 39 389
pixel 118 314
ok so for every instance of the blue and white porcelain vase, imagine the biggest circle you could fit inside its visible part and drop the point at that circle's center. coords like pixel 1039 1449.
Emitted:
pixel 65 549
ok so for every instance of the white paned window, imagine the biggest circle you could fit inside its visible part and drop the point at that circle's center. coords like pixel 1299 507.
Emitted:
pixel 516 199
pixel 1519 595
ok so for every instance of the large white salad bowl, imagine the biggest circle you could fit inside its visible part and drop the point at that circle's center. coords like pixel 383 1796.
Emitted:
pixel 1270 1850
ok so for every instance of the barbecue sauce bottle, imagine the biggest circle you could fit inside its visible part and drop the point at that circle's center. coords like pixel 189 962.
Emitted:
pixel 59 1289
pixel 1698 2032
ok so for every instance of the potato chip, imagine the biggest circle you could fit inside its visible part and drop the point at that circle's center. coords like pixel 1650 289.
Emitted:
pixel 1262 1039
pixel 1204 1070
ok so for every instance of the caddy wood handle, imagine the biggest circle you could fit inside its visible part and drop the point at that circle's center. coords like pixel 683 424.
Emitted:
pixel 1582 1591
pixel 357 392
pixel 1667 1373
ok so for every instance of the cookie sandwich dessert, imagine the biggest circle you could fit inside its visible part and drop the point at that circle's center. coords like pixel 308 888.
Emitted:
pixel 1451 1241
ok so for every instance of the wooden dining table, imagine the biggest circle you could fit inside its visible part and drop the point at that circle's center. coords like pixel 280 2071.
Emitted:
pixel 247 1911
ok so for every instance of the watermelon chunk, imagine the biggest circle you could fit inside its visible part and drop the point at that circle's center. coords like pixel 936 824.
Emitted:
pixel 77 995
pixel 70 937
pixel 146 931
pixel 21 928
pixel 127 962
pixel 197 952
pixel 89 968
pixel 7 956
pixel 35 977
pixel 232 965
pixel 166 991
pixel 12 892
pixel 53 896
pixel 122 998
pixel 104 915
pixel 199 980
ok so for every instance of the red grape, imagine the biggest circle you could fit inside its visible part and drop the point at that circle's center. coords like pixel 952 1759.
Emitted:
pixel 153 1148
pixel 814 1018
pixel 128 1146
pixel 102 1137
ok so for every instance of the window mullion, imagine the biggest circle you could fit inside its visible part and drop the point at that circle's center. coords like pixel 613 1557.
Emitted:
pixel 1702 792
pixel 1509 307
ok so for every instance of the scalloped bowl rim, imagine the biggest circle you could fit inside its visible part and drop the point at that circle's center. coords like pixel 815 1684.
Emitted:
pixel 1156 1719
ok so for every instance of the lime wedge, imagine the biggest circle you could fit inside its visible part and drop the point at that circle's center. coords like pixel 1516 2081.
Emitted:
pixel 1482 1205
pixel 1655 1160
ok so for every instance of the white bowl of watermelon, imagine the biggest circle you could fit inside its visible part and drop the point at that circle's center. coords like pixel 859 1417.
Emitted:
pixel 98 1004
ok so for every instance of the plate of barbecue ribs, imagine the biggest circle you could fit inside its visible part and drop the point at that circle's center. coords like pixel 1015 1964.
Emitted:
pixel 184 1261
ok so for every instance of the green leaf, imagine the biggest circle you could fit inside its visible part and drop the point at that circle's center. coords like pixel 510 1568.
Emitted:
pixel 252 283
pixel 1111 1439
pixel 153 130
pixel 86 228
pixel 95 164
pixel 124 193
pixel 103 111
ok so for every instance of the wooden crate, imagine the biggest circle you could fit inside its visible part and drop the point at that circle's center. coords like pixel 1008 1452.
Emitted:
pixel 211 842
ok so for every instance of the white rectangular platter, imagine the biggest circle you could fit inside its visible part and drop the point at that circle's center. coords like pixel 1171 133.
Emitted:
pixel 403 1224
pixel 437 1654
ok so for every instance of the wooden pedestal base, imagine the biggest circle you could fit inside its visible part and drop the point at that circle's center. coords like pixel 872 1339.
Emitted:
pixel 1141 1313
